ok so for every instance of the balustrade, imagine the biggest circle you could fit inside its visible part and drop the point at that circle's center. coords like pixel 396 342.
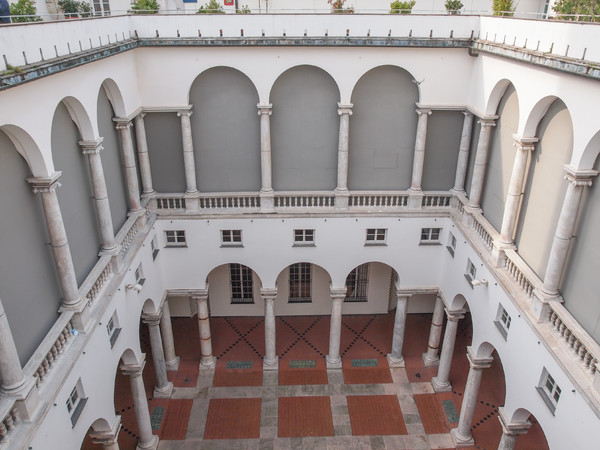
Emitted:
pixel 8 424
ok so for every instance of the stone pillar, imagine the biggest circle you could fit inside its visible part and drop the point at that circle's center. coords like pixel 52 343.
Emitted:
pixel 478 177
pixel 143 158
pixel 463 153
pixel 416 191
pixel 267 197
pixel 164 388
pixel 461 435
pixel 166 331
pixel 108 438
pixel 341 191
pixel 208 361
pixel 395 358
pixel 58 239
pixel 510 430
pixel 11 372
pixel 333 359
pixel 270 361
pixel 441 383
pixel 92 150
pixel 133 190
pixel 140 404
pixel 188 151
pixel 431 356
pixel 557 260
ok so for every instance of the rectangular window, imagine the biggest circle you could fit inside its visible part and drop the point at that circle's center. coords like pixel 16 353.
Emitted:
pixel 357 283
pixel 154 247
pixel 175 238
pixel 300 283
pixel 430 235
pixel 451 247
pixel 139 275
pixel 241 284
pixel 376 236
pixel 502 321
pixel 113 330
pixel 549 390
pixel 231 238
pixel 76 402
pixel 471 272
pixel 304 237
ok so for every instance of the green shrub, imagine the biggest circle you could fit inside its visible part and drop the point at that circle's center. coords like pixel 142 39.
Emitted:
pixel 574 9
pixel 453 6
pixel 73 9
pixel 399 7
pixel 24 8
pixel 212 7
pixel 337 7
pixel 144 7
pixel 503 7
pixel 244 10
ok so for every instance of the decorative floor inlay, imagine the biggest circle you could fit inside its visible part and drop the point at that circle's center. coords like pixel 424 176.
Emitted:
pixel 238 365
pixel 450 410
pixel 364 363
pixel 156 417
pixel 307 364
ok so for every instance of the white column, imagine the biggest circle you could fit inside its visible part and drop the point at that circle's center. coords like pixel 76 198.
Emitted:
pixel 166 331
pixel 108 438
pixel 525 147
pixel 395 358
pixel 578 179
pixel 510 430
pixel 431 356
pixel 208 361
pixel 341 191
pixel 333 359
pixel 441 383
pixel 188 151
pixel 58 239
pixel 143 157
pixel 461 435
pixel 463 153
pixel 92 150
pixel 478 177
pixel 11 372
pixel 419 155
pixel 133 190
pixel 270 361
pixel 140 404
pixel 163 388
pixel 267 201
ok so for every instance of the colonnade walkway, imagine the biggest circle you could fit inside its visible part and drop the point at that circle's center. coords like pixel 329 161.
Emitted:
pixel 302 405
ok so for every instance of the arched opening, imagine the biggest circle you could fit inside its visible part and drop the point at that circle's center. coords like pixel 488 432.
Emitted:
pixel 534 437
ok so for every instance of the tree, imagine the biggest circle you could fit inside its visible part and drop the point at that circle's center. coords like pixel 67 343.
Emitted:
pixel 580 10
pixel 399 7
pixel 73 9
pixel 453 6
pixel 144 7
pixel 24 11
pixel 503 7
pixel 212 7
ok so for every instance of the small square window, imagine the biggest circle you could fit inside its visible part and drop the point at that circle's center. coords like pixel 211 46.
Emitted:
pixel 430 235
pixel 304 237
pixel 376 236
pixel 231 238
pixel 175 238
pixel 113 329
pixel 451 247
pixel 154 247
pixel 139 275
pixel 549 390
pixel 502 321
pixel 75 402
pixel 471 272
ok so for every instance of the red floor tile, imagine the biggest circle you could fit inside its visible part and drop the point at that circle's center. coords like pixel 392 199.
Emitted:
pixel 432 414
pixel 233 418
pixel 302 376
pixel 304 416
pixel 375 415
pixel 237 377
pixel 366 375
pixel 186 375
pixel 175 421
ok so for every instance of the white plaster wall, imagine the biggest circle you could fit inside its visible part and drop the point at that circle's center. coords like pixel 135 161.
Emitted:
pixel 219 294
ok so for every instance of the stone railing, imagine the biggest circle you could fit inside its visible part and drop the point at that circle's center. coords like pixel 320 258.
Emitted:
pixel 229 201
pixel 9 422
pixel 434 199
pixel 97 280
pixel 377 199
pixel 521 273
pixel 304 200
pixel 169 203
pixel 127 233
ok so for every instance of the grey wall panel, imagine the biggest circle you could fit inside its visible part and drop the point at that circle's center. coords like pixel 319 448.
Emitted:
pixel 28 285
pixel 472 152
pixel 545 188
pixel 226 131
pixel 304 130
pixel 581 282
pixel 382 130
pixel 111 162
pixel 501 158
pixel 165 148
pixel 75 195
pixel 444 129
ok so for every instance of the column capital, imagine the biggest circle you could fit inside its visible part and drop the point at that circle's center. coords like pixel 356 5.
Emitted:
pixel 454 316
pixel 512 428
pixel 579 177
pixel 122 123
pixel 345 108
pixel 466 113
pixel 338 293
pixel 185 111
pixel 200 295
pixel 153 318
pixel 107 437
pixel 478 363
pixel 93 146
pixel 45 184
pixel 420 111
pixel 134 369
pixel 487 121
pixel 524 143
pixel 266 108
pixel 140 115
pixel 268 294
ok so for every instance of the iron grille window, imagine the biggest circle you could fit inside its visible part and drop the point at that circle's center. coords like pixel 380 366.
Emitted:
pixel 300 283
pixel 241 284
pixel 357 283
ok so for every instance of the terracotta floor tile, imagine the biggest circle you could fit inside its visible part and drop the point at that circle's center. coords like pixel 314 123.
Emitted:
pixel 175 421
pixel 233 418
pixel 375 415
pixel 237 377
pixel 432 414
pixel 366 375
pixel 304 416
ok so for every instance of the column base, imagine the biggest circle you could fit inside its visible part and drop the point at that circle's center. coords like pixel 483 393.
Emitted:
pixel 28 402
pixel 540 303
pixel 332 363
pixel 498 249
pixel 429 360
pixel 341 199
pixel 208 363
pixel 271 365
pixel 164 392
pixel 461 441
pixel 395 362
pixel 267 201
pixel 152 445
pixel 439 386
pixel 415 199
pixel 192 202
pixel 173 366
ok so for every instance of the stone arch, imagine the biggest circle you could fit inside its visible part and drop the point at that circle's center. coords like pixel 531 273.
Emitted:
pixel 150 306
pixel 114 96
pixel 535 436
pixel 382 129
pixel 536 114
pixel 304 129
pixel 129 357
pixel 80 116
pixel 226 128
pixel 485 350
pixel 313 283
pixel 28 149
pixel 231 292
pixel 496 95
pixel 590 154
pixel 370 288
pixel 457 303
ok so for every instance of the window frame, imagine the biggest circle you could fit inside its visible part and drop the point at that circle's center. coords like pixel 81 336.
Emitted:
pixel 471 272
pixel 300 281
pixel 452 241
pixel 75 405
pixel 357 285
pixel 243 283
pixel 430 236
pixel 231 238
pixel 175 238
pixel 154 248
pixel 304 237
pixel 376 236
pixel 550 394
pixel 139 275
pixel 503 321
pixel 113 329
